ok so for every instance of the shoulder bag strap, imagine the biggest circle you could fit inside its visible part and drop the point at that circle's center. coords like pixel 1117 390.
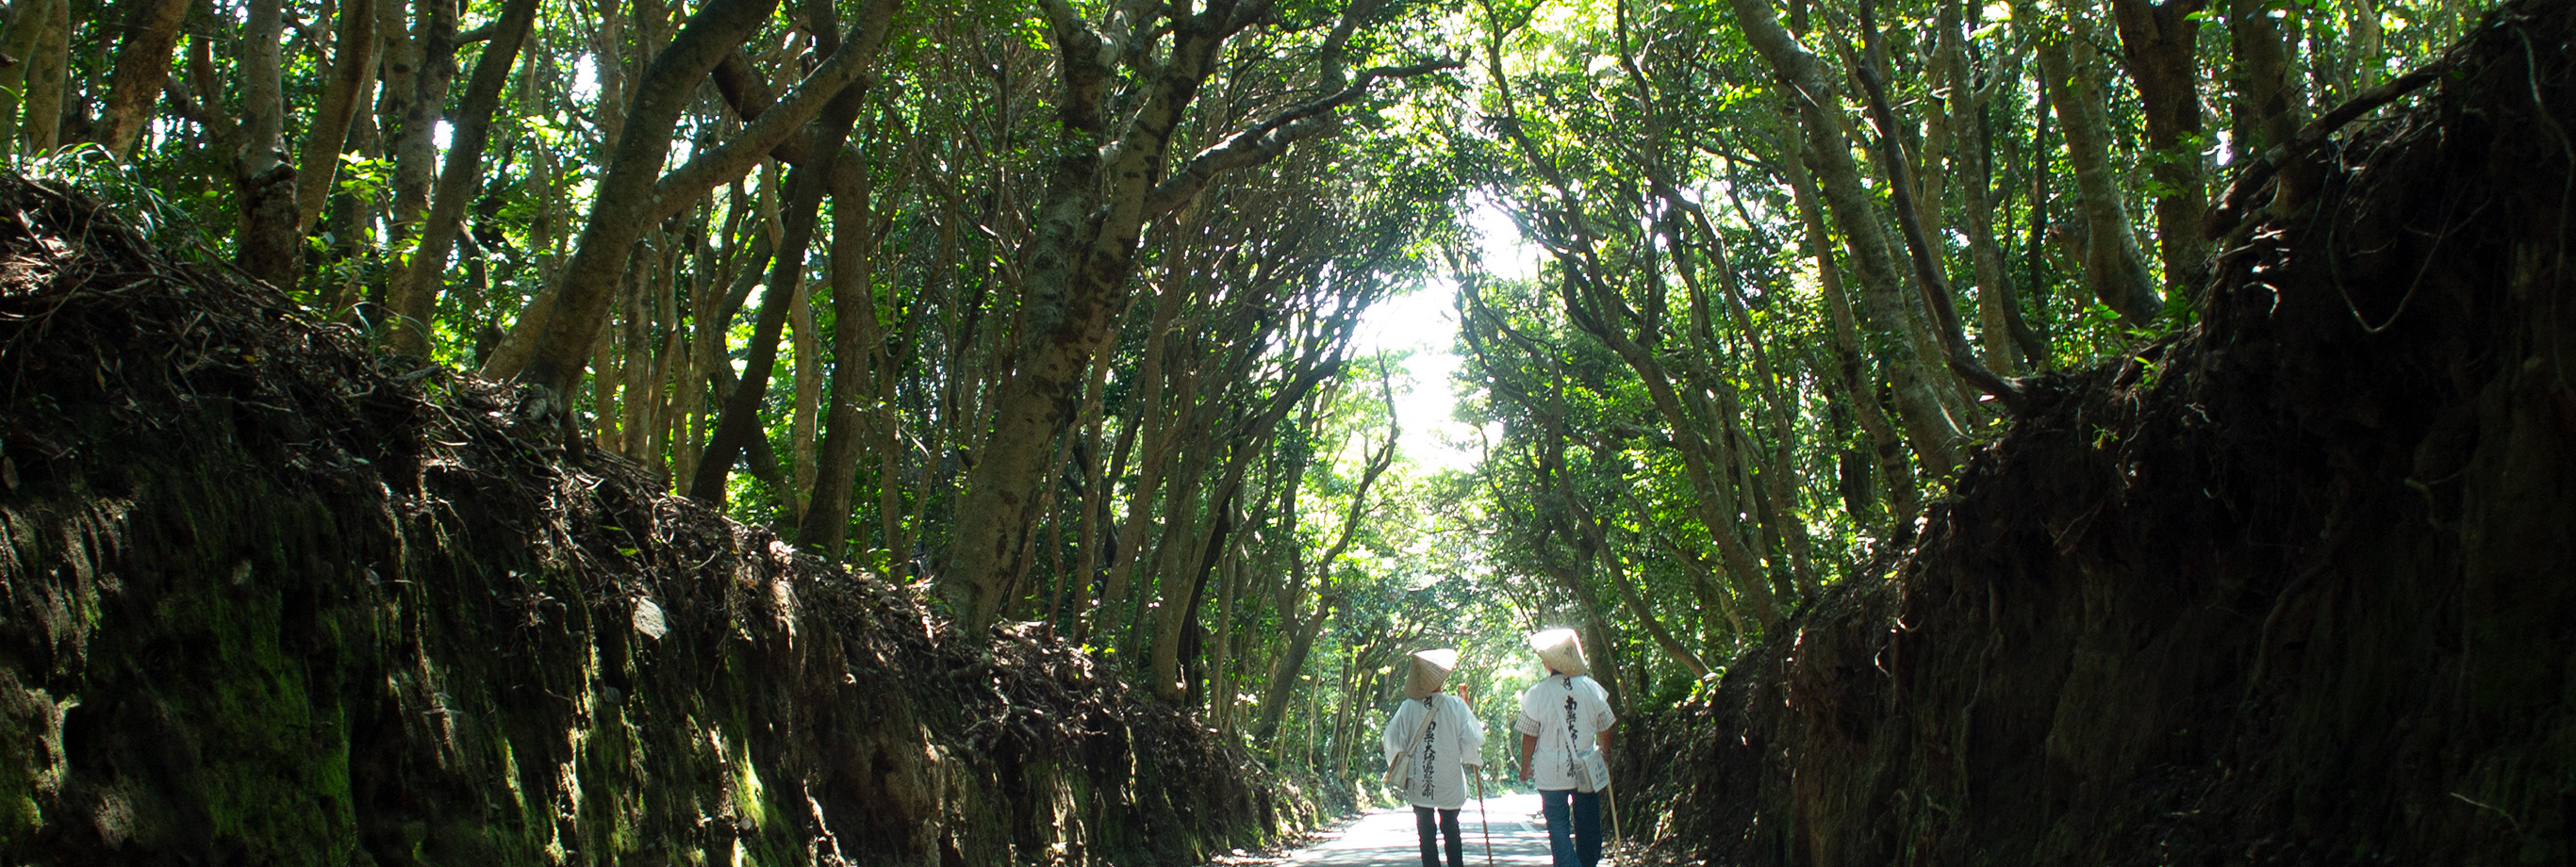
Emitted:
pixel 1429 716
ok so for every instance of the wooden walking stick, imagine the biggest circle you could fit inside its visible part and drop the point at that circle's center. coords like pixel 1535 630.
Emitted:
pixel 1482 821
pixel 1610 793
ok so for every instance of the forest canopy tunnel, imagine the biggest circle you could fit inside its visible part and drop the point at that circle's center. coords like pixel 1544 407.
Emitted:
pixel 1922 450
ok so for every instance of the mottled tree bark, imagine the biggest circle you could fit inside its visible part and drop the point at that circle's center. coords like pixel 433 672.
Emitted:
pixel 2268 106
pixel 48 66
pixel 1931 416
pixel 354 53
pixel 2159 41
pixel 551 342
pixel 414 295
pixel 2114 269
pixel 143 56
pixel 267 246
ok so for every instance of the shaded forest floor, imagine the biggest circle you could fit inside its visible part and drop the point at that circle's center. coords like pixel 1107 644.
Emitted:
pixel 2292 587
pixel 266 598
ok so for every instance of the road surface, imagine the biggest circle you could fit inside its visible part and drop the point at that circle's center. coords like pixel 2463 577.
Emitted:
pixel 1387 839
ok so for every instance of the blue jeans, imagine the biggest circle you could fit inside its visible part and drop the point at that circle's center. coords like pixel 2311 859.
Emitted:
pixel 1576 839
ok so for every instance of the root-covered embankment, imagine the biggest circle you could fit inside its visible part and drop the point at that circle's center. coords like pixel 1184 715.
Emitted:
pixel 269 602
pixel 2297 586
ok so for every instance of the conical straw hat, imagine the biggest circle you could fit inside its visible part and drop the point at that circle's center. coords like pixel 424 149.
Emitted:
pixel 1430 669
pixel 1562 650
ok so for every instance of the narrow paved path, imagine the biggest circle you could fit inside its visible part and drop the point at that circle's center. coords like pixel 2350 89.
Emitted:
pixel 1387 839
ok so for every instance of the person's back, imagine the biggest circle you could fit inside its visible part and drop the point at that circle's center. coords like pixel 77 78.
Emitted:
pixel 1439 739
pixel 1562 717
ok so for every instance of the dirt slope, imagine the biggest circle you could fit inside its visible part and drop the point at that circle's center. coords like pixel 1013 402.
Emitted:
pixel 265 601
pixel 2297 587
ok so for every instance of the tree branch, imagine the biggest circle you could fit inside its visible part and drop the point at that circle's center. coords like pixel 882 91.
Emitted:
pixel 849 66
pixel 1270 138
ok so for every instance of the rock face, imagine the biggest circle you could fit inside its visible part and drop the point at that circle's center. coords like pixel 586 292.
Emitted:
pixel 2297 586
pixel 263 601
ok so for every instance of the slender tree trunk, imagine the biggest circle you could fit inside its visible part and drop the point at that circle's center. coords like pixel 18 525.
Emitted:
pixel 2269 106
pixel 414 146
pixel 858 356
pixel 26 21
pixel 807 401
pixel 1859 385
pixel 354 53
pixel 143 55
pixel 1924 396
pixel 2113 268
pixel 1095 495
pixel 2160 42
pixel 740 422
pixel 398 90
pixel 1998 303
pixel 635 383
pixel 267 247
pixel 1929 276
pixel 48 73
pixel 414 295
pixel 1636 603
pixel 2035 250
pixel 1221 701
pixel 1328 599
pixel 1155 456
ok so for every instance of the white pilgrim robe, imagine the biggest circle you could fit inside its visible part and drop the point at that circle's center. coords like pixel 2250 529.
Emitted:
pixel 1456 741
pixel 1566 714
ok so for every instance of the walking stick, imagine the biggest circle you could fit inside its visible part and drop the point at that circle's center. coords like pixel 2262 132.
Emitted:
pixel 1610 792
pixel 1483 822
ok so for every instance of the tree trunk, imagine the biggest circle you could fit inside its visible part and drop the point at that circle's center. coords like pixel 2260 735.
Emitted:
pixel 807 401
pixel 267 246
pixel 142 67
pixel 26 21
pixel 2114 270
pixel 354 53
pixel 1646 613
pixel 553 338
pixel 1859 385
pixel 740 422
pixel 48 68
pixel 414 145
pixel 2268 106
pixel 858 357
pixel 2160 42
pixel 414 295
pixel 1998 302
pixel 1929 275
pixel 1931 419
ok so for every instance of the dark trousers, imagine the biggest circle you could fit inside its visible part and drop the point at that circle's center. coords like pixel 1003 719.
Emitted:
pixel 1583 826
pixel 1430 845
